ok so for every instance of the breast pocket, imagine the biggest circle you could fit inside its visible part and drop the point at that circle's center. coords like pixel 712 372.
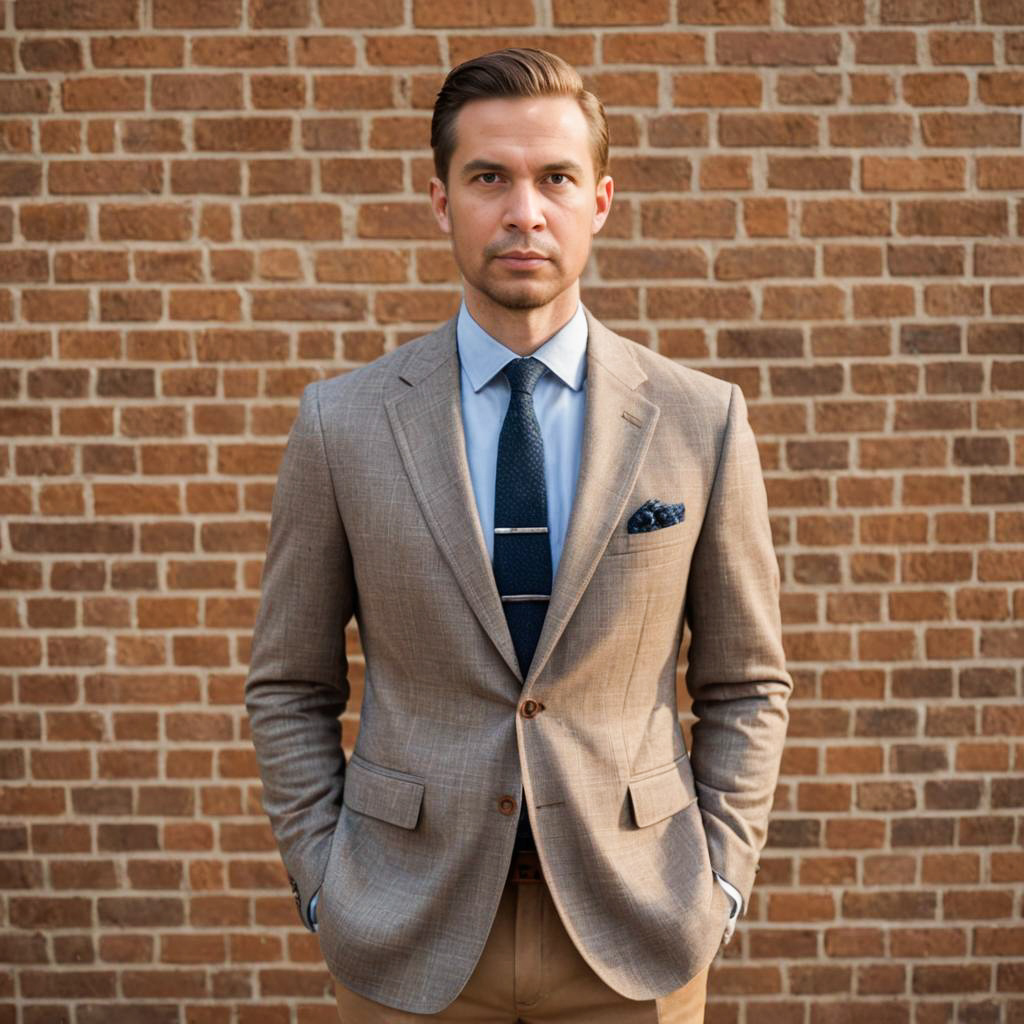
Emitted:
pixel 649 549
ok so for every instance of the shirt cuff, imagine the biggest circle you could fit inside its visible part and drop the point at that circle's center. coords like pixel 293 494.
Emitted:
pixel 312 908
pixel 737 905
pixel 733 892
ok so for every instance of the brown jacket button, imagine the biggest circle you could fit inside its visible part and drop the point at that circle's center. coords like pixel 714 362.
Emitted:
pixel 507 805
pixel 531 708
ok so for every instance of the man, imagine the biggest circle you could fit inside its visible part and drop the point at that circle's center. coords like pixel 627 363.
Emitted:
pixel 522 510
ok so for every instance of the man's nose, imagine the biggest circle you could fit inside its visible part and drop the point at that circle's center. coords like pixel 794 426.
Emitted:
pixel 524 209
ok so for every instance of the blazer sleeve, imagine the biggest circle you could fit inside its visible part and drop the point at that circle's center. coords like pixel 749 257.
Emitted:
pixel 736 671
pixel 297 686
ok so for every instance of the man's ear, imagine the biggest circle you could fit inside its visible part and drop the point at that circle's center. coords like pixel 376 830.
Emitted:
pixel 603 202
pixel 439 204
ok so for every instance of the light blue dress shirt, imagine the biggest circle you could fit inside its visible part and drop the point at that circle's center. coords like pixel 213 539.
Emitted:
pixel 559 401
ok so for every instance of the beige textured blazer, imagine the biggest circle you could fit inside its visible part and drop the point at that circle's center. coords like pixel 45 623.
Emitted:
pixel 374 516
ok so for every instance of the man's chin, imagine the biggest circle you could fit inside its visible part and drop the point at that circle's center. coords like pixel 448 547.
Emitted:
pixel 522 296
pixel 522 302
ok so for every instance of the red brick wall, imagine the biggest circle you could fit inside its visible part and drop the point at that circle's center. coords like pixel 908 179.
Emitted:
pixel 204 204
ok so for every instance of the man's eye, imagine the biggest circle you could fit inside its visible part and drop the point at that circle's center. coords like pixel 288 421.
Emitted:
pixel 488 174
pixel 558 174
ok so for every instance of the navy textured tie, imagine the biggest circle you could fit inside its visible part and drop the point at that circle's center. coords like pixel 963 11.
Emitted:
pixel 522 548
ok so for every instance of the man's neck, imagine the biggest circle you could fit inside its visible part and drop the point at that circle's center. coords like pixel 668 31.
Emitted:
pixel 522 330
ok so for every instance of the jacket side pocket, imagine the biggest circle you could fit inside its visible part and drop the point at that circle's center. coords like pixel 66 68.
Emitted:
pixel 382 793
pixel 663 792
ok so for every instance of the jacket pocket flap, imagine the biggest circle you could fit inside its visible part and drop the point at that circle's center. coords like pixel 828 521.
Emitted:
pixel 382 793
pixel 664 793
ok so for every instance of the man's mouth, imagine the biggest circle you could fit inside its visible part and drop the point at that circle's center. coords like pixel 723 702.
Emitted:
pixel 524 259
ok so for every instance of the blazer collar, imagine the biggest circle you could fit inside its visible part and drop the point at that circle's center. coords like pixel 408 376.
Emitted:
pixel 613 352
pixel 424 408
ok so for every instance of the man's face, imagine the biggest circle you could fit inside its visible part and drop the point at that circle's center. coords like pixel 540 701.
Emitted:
pixel 522 203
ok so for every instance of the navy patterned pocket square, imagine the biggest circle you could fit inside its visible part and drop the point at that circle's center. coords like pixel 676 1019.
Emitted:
pixel 653 515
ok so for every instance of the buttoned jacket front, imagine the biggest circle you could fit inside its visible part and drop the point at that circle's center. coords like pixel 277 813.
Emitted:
pixel 410 837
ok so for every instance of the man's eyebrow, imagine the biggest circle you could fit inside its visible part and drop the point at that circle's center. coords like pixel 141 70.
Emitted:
pixel 492 165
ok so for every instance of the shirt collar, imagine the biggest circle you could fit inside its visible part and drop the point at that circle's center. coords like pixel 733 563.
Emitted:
pixel 482 356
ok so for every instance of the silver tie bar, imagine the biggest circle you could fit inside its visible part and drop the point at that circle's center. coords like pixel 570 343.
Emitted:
pixel 526 597
pixel 520 529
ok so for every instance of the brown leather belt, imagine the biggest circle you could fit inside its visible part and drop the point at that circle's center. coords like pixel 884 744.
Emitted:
pixel 525 867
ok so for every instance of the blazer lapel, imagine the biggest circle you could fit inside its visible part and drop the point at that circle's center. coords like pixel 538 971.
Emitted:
pixel 618 424
pixel 426 419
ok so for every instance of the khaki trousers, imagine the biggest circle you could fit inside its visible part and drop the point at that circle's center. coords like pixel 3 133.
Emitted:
pixel 531 973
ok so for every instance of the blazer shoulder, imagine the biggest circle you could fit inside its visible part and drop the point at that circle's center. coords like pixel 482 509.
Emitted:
pixel 626 357
pixel 369 378
pixel 671 382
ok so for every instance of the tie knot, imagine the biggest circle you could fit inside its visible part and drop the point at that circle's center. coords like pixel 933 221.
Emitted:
pixel 523 374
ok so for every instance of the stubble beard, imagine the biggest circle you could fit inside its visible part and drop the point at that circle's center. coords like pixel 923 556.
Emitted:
pixel 510 294
pixel 529 293
pixel 514 297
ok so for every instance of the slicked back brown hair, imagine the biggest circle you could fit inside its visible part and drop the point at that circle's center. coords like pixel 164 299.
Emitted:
pixel 510 74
